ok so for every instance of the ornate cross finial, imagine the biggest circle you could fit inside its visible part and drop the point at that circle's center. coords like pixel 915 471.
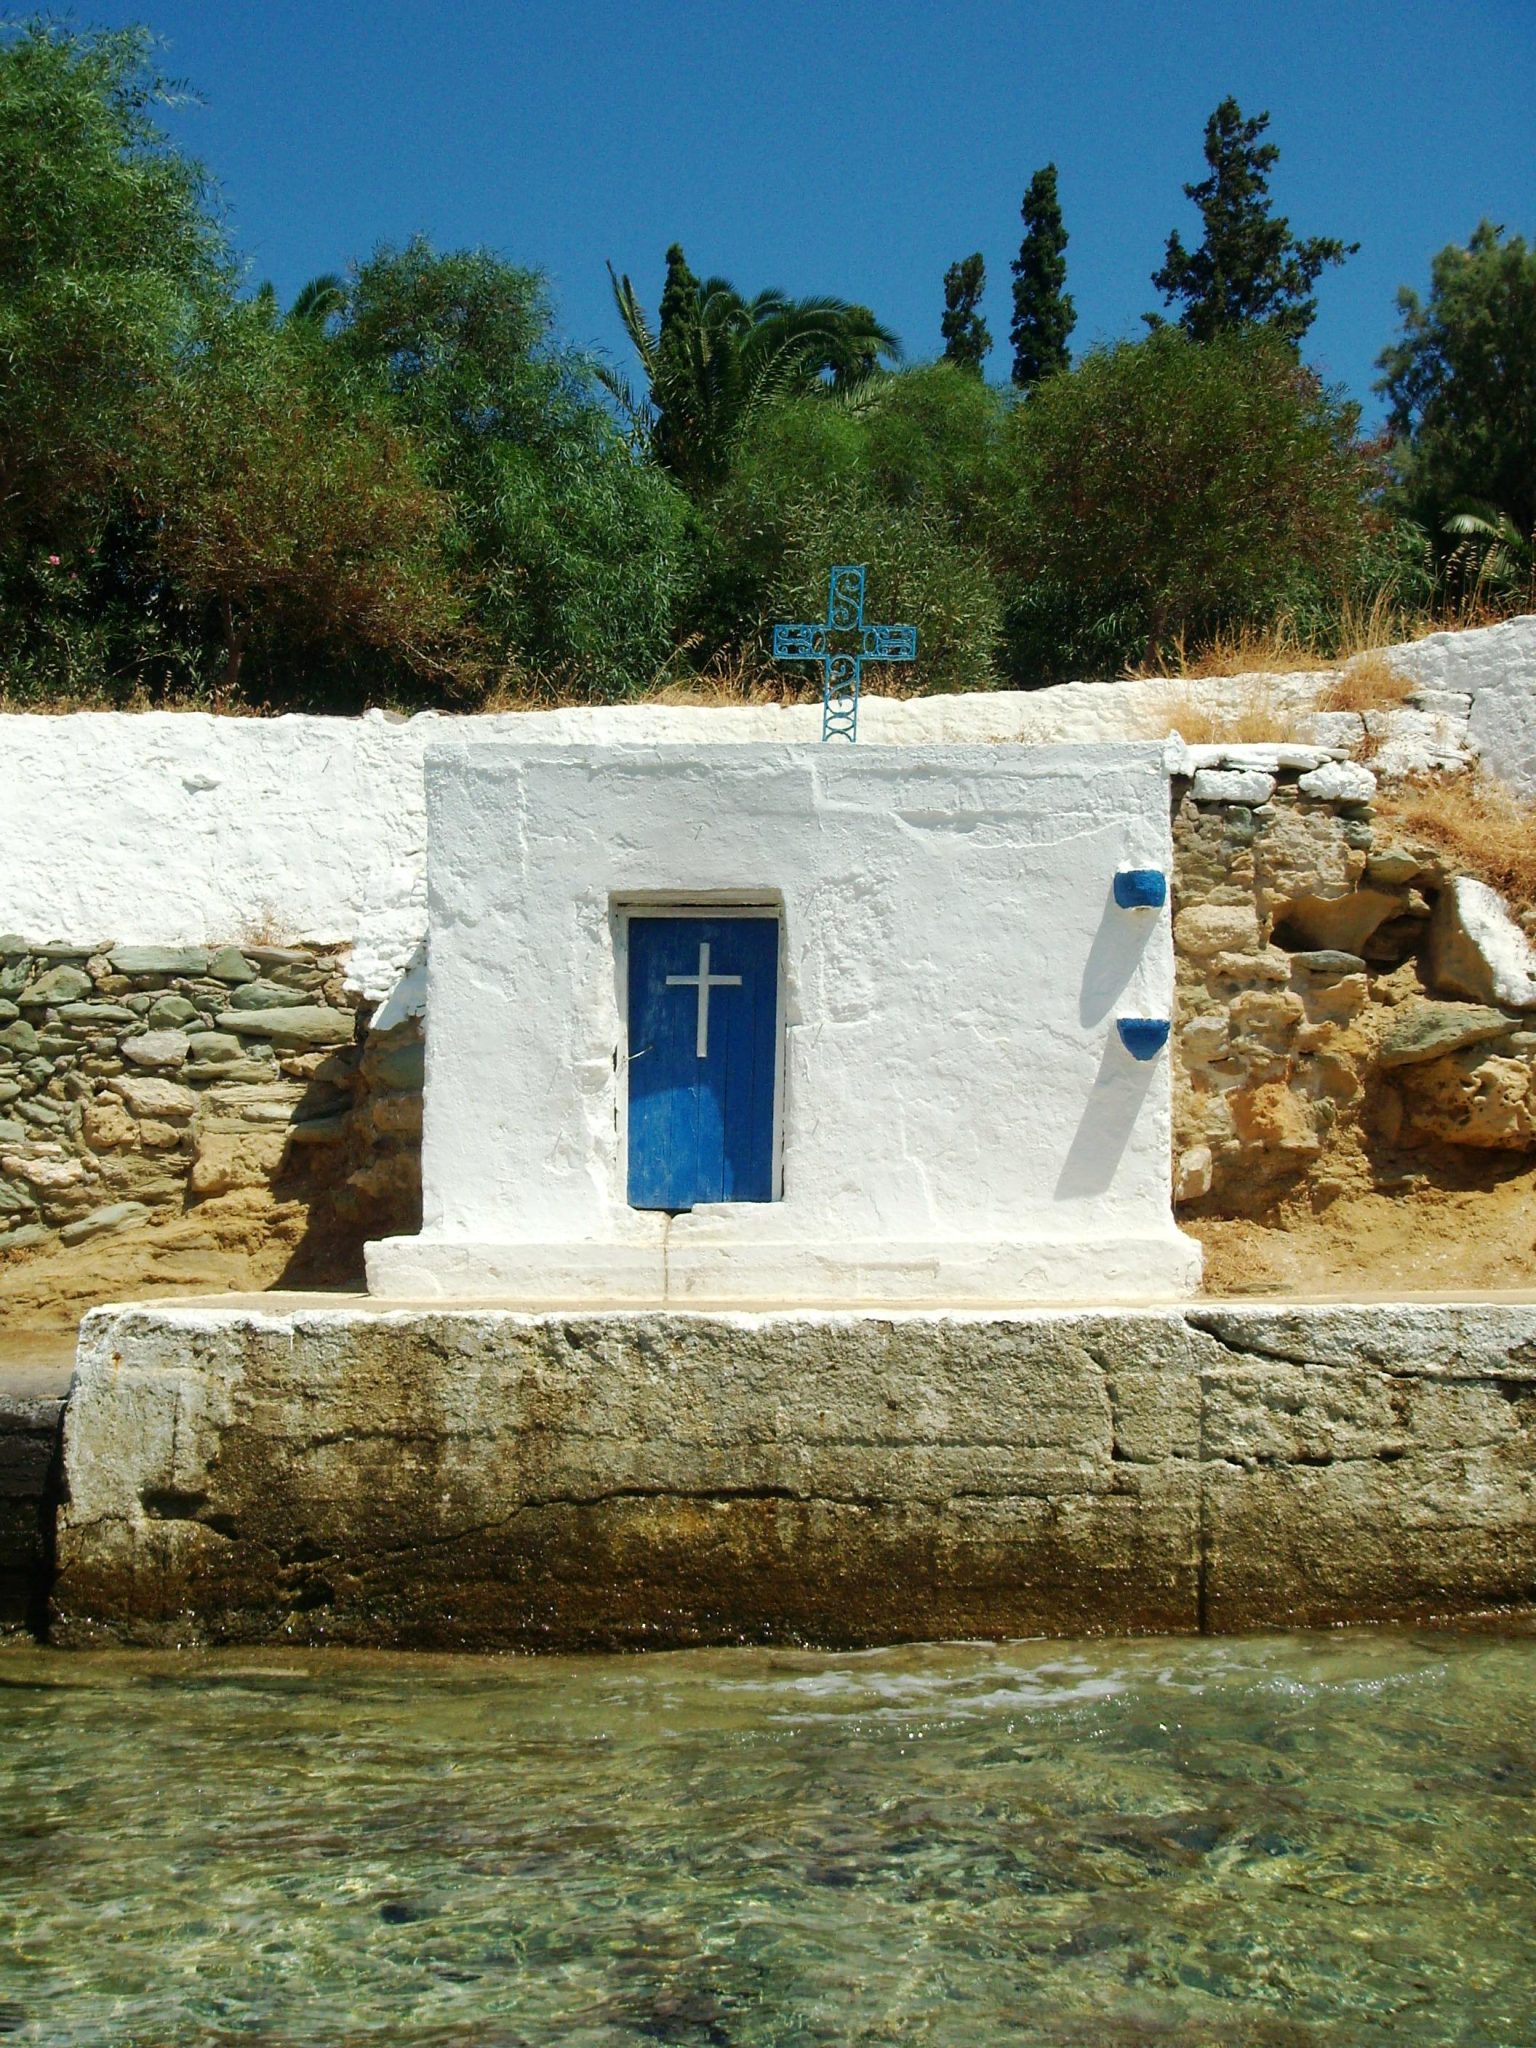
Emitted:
pixel 841 671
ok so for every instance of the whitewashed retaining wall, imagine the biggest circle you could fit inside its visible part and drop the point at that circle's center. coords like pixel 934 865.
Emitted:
pixel 183 828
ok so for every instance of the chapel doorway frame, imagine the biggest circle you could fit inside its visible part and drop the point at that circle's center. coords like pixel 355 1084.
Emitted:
pixel 705 903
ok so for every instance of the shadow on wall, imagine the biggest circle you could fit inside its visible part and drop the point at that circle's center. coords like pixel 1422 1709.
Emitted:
pixel 1121 1084
pixel 1117 950
pixel 1120 1087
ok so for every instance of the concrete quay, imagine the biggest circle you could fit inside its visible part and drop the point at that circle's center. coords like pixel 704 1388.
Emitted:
pixel 330 1470
pixel 34 1383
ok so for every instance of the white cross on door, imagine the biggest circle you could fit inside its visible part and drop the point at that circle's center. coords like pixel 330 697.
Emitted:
pixel 703 981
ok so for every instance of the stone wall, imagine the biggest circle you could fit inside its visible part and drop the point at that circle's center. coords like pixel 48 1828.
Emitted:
pixel 481 1478
pixel 1350 1011
pixel 30 1427
pixel 136 1081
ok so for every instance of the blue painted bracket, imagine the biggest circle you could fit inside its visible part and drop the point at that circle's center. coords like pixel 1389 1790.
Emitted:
pixel 1141 888
pixel 1143 1037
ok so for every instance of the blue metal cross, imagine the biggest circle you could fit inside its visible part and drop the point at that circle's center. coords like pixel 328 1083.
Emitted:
pixel 841 672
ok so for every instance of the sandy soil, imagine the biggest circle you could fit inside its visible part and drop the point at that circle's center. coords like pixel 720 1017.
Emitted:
pixel 1421 1240
pixel 236 1243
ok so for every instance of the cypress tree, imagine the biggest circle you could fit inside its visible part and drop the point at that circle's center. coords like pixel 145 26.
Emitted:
pixel 1043 314
pixel 1249 271
pixel 967 337
pixel 673 386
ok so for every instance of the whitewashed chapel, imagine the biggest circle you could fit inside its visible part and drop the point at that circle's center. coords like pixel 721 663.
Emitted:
pixel 756 1025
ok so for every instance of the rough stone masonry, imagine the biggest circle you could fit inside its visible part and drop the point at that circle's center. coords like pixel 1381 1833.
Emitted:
pixel 136 1080
pixel 484 1478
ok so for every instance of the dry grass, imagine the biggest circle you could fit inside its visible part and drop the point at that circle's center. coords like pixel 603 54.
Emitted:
pixel 135 702
pixel 740 678
pixel 1251 714
pixel 1370 683
pixel 1284 646
pixel 1479 822
pixel 1275 649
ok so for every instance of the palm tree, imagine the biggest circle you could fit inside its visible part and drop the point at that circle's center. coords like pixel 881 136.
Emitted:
pixel 1492 558
pixel 714 360
pixel 318 300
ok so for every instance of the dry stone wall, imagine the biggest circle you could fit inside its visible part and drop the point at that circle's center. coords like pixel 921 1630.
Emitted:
pixel 1350 1011
pixel 138 1080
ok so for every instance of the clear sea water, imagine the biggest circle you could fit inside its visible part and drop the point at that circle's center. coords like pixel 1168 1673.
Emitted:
pixel 1269 1841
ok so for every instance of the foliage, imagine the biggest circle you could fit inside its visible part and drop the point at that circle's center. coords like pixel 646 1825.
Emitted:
pixel 404 487
pixel 717 360
pixel 572 552
pixel 1165 488
pixel 1249 270
pixel 287 509
pixel 1491 557
pixel 106 248
pixel 1460 382
pixel 967 338
pixel 1043 313
pixel 897 477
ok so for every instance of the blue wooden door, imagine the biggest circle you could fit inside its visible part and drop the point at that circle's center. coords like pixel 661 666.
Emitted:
pixel 703 1036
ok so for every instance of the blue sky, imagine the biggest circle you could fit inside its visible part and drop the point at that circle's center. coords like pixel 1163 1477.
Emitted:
pixel 854 148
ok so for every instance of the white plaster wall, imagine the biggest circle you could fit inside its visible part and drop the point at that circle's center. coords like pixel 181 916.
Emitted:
pixel 1496 668
pixel 960 1119
pixel 183 828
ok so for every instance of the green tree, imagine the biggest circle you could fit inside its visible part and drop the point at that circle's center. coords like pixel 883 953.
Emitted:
pixel 966 335
pixel 1165 488
pixel 291 517
pixel 674 383
pixel 1043 313
pixel 716 359
pixel 897 475
pixel 1460 383
pixel 1249 270
pixel 573 552
pixel 107 248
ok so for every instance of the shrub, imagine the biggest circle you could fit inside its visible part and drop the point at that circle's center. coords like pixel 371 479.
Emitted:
pixel 897 478
pixel 1165 489
pixel 573 553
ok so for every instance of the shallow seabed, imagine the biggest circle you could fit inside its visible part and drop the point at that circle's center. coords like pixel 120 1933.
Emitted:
pixel 1273 1840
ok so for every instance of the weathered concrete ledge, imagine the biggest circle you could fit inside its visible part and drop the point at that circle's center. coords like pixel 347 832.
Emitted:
pixel 31 1419
pixel 480 1477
